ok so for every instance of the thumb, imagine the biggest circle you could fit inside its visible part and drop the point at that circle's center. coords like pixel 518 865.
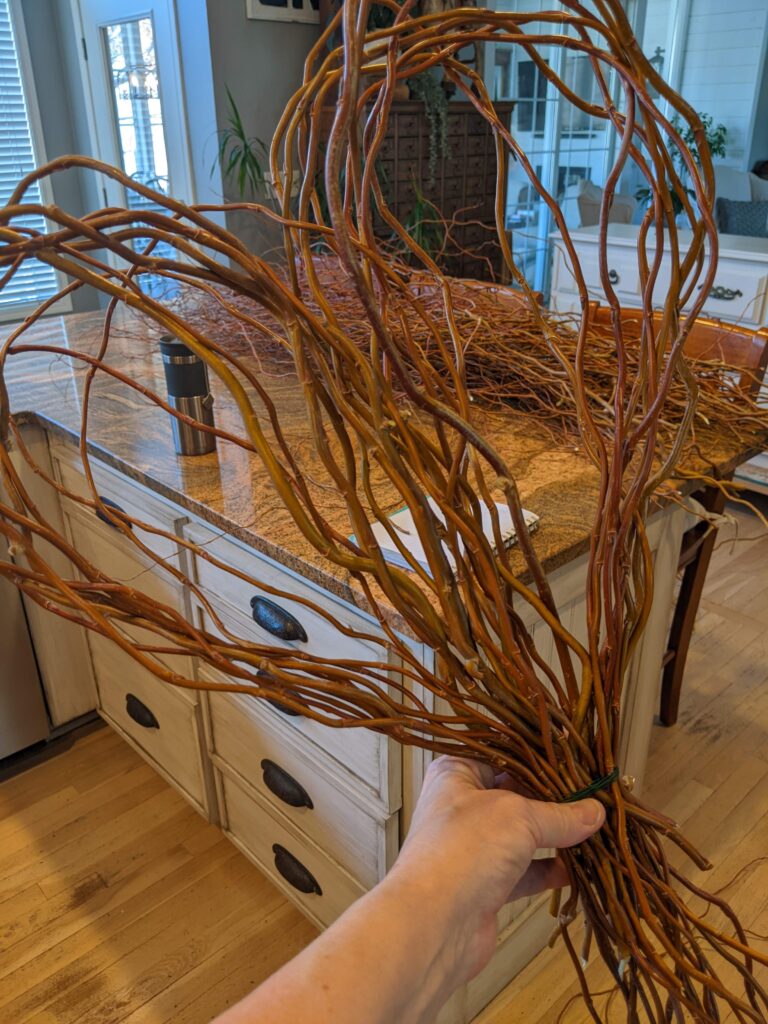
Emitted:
pixel 562 825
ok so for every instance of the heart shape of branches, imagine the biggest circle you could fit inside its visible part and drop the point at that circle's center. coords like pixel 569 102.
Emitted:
pixel 397 409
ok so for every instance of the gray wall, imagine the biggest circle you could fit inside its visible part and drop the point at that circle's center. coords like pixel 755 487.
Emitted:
pixel 759 146
pixel 197 72
pixel 262 63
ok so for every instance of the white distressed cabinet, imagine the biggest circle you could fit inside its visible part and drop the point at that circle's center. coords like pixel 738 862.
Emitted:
pixel 321 811
pixel 739 294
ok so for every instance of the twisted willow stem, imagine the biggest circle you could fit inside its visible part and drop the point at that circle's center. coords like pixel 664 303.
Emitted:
pixel 395 362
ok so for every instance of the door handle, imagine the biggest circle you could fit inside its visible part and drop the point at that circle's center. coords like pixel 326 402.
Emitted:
pixel 113 505
pixel 294 872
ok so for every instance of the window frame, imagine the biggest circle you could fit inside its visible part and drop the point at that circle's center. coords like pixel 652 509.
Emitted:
pixel 63 304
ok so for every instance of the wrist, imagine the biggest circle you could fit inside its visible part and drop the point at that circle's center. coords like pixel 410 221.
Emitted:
pixel 437 934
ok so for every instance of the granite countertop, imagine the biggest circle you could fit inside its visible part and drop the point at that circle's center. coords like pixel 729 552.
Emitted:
pixel 229 487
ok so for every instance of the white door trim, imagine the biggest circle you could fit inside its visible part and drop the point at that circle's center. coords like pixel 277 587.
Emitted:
pixel 171 89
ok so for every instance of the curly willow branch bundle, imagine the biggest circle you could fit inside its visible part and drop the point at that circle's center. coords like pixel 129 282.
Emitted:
pixel 387 377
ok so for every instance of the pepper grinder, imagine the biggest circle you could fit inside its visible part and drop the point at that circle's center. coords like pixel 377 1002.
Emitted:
pixel 186 377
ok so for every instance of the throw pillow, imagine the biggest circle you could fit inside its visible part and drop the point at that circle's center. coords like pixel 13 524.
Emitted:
pixel 737 218
pixel 758 187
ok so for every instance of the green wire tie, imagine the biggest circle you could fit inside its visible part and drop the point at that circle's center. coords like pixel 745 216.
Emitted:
pixel 592 788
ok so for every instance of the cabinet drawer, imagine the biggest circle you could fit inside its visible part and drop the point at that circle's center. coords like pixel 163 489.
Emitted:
pixel 320 886
pixel 371 761
pixel 153 715
pixel 135 500
pixel 315 634
pixel 623 271
pixel 738 293
pixel 117 558
pixel 297 782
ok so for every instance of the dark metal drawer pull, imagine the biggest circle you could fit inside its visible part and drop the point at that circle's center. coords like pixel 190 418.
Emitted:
pixel 140 713
pixel 726 294
pixel 613 277
pixel 294 872
pixel 283 708
pixel 277 620
pixel 105 519
pixel 284 786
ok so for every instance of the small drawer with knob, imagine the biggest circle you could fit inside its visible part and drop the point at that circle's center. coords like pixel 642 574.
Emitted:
pixel 154 717
pixel 738 293
pixel 303 786
pixel 121 562
pixel 306 873
pixel 622 273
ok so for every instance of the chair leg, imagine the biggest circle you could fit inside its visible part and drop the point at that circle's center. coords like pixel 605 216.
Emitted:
pixel 684 618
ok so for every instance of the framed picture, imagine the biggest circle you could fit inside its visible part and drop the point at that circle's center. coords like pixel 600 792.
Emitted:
pixel 307 11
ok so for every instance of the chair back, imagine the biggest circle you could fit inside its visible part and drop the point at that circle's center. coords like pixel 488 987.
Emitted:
pixel 708 340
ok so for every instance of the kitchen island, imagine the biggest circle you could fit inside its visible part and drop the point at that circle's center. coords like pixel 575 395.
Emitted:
pixel 321 811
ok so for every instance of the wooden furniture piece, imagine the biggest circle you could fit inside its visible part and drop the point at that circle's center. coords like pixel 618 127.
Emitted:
pixel 748 351
pixel 464 185
pixel 739 294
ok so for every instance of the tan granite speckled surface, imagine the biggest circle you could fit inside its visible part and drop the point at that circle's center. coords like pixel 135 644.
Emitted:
pixel 229 487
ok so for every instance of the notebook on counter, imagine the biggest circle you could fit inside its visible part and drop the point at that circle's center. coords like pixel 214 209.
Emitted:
pixel 402 521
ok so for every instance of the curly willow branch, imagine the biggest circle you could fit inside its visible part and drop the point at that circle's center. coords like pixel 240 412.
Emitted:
pixel 394 362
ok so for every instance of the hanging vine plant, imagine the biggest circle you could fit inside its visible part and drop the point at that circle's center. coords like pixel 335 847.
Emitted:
pixel 429 90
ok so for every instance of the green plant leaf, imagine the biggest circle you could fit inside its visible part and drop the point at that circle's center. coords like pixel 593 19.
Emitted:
pixel 238 155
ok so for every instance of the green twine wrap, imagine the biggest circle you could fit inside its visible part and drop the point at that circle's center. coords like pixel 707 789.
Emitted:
pixel 592 788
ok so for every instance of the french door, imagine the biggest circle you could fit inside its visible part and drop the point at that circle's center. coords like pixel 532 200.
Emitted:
pixel 132 74
pixel 566 146
pixel 132 77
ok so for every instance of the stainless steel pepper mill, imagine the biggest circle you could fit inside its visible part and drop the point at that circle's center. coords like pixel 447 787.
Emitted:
pixel 186 377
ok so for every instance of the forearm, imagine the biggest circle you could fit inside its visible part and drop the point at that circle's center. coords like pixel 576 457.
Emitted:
pixel 386 959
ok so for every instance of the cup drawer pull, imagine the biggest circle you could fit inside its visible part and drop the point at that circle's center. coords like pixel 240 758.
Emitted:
pixel 283 708
pixel 113 505
pixel 277 620
pixel 140 713
pixel 284 786
pixel 294 872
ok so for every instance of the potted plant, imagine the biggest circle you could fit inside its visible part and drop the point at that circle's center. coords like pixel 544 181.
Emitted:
pixel 715 139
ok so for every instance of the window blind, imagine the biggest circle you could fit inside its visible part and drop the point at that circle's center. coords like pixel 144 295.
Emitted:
pixel 33 281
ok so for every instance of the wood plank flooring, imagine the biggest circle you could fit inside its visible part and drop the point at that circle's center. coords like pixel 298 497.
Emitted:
pixel 119 905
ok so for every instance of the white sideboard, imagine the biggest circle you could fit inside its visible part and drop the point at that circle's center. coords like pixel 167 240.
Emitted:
pixel 739 294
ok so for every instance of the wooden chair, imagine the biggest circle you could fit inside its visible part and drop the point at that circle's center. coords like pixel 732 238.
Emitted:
pixel 745 350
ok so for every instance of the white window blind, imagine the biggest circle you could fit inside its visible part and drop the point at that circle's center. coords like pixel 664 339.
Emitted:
pixel 33 281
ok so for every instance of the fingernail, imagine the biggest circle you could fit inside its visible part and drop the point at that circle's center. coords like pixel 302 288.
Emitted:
pixel 591 813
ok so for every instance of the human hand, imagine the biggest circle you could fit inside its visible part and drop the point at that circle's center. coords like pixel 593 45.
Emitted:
pixel 470 850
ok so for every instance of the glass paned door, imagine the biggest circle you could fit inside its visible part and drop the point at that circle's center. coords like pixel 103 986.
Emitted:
pixel 32 281
pixel 133 74
pixel 130 48
pixel 568 149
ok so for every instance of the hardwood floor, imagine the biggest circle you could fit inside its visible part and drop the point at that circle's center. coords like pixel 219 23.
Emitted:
pixel 119 904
